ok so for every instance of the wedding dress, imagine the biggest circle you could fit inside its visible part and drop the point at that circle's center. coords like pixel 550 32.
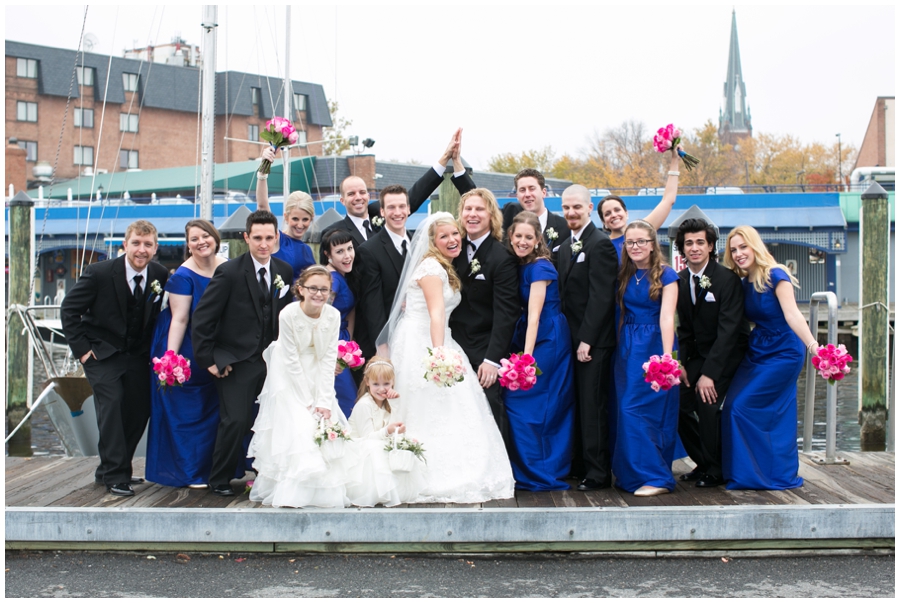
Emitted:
pixel 465 456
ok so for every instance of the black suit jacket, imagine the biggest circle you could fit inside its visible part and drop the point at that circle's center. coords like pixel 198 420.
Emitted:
pixel 379 266
pixel 712 334
pixel 94 311
pixel 228 321
pixel 485 319
pixel 588 288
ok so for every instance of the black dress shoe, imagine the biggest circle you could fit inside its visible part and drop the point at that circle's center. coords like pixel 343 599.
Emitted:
pixel 710 481
pixel 692 476
pixel 222 490
pixel 591 484
pixel 133 480
pixel 120 490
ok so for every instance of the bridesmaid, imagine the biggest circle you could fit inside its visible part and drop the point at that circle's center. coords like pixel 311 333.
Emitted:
pixel 338 248
pixel 647 421
pixel 299 213
pixel 759 416
pixel 184 420
pixel 541 420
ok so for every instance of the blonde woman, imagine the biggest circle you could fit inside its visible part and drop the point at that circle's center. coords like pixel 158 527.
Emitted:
pixel 759 416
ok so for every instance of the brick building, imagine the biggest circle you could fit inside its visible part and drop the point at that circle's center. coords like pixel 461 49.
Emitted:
pixel 877 148
pixel 150 118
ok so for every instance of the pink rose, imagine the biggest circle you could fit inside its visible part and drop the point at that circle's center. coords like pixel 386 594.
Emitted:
pixel 170 380
pixel 530 371
pixel 655 386
pixel 513 386
pixel 671 380
pixel 332 436
pixel 161 377
pixel 293 138
pixel 180 379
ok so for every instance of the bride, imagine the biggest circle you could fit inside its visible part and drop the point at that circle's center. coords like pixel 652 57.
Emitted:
pixel 466 458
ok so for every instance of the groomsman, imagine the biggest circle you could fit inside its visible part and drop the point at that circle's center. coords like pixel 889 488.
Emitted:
pixel 588 266
pixel 108 319
pixel 235 320
pixel 712 339
pixel 530 191
pixel 485 319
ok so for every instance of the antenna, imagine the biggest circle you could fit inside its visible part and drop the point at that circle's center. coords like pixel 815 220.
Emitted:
pixel 89 42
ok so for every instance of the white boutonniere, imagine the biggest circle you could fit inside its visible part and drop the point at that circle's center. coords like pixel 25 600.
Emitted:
pixel 705 283
pixel 156 287
pixel 551 233
pixel 576 246
pixel 378 221
pixel 278 283
pixel 474 267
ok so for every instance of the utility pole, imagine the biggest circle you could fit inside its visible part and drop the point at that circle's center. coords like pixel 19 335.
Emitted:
pixel 288 97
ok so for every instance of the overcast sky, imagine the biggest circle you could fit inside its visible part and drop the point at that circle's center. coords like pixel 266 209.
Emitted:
pixel 518 77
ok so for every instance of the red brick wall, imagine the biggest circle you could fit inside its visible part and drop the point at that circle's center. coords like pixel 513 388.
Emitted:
pixel 872 150
pixel 15 169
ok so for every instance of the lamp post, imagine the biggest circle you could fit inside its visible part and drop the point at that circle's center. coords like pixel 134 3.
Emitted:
pixel 840 163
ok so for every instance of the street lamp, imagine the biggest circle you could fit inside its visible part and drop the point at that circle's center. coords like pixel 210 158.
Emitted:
pixel 840 162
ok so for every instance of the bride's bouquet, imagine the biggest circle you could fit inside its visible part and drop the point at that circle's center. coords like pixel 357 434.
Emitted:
pixel 330 438
pixel 444 366
pixel 403 451
pixel 519 371
pixel 662 372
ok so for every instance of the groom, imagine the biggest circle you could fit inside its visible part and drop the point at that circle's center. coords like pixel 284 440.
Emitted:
pixel 484 321
pixel 235 320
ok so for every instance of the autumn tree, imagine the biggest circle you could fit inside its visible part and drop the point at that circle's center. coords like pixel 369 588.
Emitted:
pixel 511 163
pixel 336 141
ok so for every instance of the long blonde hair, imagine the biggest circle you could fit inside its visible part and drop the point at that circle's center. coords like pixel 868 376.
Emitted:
pixel 378 367
pixel 764 261
pixel 490 203
pixel 628 268
pixel 434 252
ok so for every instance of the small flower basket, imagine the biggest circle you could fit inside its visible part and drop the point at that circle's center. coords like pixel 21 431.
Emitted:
pixel 330 439
pixel 832 362
pixel 444 366
pixel 403 452
pixel 662 372
pixel 171 369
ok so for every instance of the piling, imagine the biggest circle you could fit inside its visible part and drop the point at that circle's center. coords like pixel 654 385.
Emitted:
pixel 448 196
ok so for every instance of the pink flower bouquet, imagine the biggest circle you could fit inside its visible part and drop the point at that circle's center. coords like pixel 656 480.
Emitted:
pixel 349 355
pixel 832 362
pixel 279 132
pixel 171 369
pixel 519 371
pixel 662 372
pixel 330 432
pixel 444 366
pixel 668 139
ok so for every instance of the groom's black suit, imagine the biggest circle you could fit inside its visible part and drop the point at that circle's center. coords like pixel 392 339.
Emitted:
pixel 232 326
pixel 587 282
pixel 485 319
pixel 712 339
pixel 100 314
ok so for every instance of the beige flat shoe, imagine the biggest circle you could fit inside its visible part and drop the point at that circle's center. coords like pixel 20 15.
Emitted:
pixel 650 491
pixel 198 486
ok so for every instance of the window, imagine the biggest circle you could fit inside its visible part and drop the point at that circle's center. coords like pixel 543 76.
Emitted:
pixel 254 96
pixel 85 76
pixel 84 155
pixel 128 122
pixel 30 149
pixel 84 118
pixel 299 102
pixel 128 160
pixel 252 132
pixel 130 82
pixel 26 68
pixel 301 137
pixel 26 111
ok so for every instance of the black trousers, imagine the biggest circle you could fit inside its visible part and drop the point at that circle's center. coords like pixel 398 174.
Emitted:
pixel 592 393
pixel 237 397
pixel 121 385
pixel 700 424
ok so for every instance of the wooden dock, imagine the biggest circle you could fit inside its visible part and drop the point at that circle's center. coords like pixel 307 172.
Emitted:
pixel 53 503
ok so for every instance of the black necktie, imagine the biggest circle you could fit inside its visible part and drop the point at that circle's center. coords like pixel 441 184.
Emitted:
pixel 403 247
pixel 696 280
pixel 368 229
pixel 263 285
pixel 138 290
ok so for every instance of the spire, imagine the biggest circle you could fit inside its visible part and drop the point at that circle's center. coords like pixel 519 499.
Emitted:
pixel 734 117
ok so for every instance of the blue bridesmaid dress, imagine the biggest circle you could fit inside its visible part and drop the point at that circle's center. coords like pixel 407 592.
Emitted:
pixel 296 253
pixel 646 421
pixel 344 301
pixel 759 416
pixel 541 420
pixel 183 420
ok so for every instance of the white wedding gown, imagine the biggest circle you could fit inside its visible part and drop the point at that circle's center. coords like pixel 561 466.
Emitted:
pixel 465 456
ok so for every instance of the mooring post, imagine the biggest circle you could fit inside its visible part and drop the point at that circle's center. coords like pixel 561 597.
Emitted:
pixel 18 346
pixel 448 196
pixel 874 317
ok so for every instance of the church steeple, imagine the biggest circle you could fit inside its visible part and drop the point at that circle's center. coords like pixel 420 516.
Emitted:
pixel 734 117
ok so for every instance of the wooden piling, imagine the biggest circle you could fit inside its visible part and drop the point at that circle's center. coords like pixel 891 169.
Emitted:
pixel 18 347
pixel 448 197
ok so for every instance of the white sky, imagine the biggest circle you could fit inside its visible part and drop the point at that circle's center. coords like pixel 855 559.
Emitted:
pixel 517 77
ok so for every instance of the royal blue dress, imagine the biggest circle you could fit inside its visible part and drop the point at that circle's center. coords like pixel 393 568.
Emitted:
pixel 344 301
pixel 759 416
pixel 296 253
pixel 618 243
pixel 541 420
pixel 646 421
pixel 183 420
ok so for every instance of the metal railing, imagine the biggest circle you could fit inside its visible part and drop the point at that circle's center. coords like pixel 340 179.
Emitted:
pixel 831 391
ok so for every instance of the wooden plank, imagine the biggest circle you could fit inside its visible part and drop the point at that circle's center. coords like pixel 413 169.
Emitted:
pixel 607 497
pixel 86 496
pixel 863 487
pixel 569 498
pixel 50 477
pixel 16 465
pixel 50 497
pixel 816 495
pixel 499 503
pixel 749 497
pixel 706 496
pixel 34 468
pixel 870 468
pixel 827 482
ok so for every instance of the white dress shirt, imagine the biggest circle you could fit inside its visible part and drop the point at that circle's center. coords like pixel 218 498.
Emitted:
pixel 130 273
pixel 397 240
pixel 257 266
pixel 693 274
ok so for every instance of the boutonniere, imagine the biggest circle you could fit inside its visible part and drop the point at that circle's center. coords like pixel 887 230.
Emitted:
pixel 378 221
pixel 576 246
pixel 474 267
pixel 551 233
pixel 278 283
pixel 705 283
pixel 156 287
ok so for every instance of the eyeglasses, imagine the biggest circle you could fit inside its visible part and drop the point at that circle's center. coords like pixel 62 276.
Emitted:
pixel 638 243
pixel 316 290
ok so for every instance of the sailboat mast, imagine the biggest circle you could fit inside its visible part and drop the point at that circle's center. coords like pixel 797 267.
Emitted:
pixel 288 97
pixel 208 112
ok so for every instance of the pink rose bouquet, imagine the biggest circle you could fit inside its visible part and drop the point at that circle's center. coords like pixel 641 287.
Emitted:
pixel 279 132
pixel 662 372
pixel 519 371
pixel 171 369
pixel 349 355
pixel 668 139
pixel 444 366
pixel 832 362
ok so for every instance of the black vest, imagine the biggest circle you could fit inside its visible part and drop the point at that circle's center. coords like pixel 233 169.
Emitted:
pixel 134 322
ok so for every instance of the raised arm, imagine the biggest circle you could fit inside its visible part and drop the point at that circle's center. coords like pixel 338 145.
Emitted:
pixel 662 210
pixel 262 184
pixel 431 179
